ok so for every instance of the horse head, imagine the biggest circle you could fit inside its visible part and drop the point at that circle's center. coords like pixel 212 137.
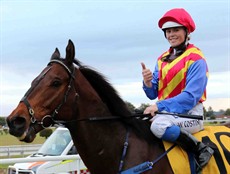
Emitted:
pixel 48 99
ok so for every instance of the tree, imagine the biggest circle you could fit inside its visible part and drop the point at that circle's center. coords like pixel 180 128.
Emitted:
pixel 6 130
pixel 2 121
pixel 142 107
pixel 130 106
pixel 210 113
pixel 205 113
pixel 227 112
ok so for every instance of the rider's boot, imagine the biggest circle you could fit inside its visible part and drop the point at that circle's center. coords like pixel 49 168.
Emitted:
pixel 202 152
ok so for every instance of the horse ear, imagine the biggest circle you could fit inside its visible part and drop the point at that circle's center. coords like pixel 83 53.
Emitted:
pixel 56 54
pixel 70 52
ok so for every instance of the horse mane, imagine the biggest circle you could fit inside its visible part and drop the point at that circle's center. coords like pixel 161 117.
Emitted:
pixel 115 104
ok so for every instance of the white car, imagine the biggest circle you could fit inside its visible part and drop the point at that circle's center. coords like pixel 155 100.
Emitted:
pixel 58 144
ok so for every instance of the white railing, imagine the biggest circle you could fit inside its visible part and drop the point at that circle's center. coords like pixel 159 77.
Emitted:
pixel 217 120
pixel 35 159
pixel 46 158
pixel 19 150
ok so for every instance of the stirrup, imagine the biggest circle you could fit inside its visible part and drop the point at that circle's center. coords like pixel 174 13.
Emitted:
pixel 205 154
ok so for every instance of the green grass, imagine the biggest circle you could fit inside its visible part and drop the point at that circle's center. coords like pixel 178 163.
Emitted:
pixel 9 140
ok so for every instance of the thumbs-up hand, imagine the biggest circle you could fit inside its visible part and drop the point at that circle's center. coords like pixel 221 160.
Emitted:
pixel 147 75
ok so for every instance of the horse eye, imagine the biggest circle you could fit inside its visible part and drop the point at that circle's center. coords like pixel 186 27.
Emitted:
pixel 56 83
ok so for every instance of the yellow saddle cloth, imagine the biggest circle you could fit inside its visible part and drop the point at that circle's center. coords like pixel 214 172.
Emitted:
pixel 218 138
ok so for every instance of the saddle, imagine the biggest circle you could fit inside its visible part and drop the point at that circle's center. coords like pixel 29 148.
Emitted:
pixel 218 138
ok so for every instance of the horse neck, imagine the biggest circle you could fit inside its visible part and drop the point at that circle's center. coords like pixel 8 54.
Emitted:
pixel 100 143
pixel 96 141
pixel 90 105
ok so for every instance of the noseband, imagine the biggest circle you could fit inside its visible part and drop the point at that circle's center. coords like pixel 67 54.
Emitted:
pixel 51 117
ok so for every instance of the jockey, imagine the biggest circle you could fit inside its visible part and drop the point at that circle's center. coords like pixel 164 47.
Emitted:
pixel 179 81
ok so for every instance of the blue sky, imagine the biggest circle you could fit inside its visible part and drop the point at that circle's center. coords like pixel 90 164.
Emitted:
pixel 111 36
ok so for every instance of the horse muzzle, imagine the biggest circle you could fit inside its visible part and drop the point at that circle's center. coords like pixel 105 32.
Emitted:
pixel 18 128
pixel 17 125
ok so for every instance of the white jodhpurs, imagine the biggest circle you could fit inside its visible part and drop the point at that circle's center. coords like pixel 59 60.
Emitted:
pixel 161 122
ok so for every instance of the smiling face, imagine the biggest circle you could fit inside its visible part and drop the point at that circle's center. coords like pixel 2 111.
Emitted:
pixel 175 36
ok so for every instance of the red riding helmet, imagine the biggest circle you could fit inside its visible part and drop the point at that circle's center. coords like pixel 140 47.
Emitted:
pixel 177 17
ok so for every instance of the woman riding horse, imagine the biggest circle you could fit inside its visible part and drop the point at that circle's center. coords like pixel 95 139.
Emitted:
pixel 107 137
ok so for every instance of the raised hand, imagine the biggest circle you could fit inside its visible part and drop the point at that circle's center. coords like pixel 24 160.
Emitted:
pixel 147 75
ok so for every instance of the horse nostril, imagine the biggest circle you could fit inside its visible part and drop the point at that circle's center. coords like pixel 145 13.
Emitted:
pixel 17 122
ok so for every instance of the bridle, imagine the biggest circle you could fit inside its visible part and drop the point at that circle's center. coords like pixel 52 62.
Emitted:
pixel 52 117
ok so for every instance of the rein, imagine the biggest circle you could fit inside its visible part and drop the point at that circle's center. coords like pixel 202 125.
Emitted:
pixel 92 119
pixel 137 115
pixel 52 116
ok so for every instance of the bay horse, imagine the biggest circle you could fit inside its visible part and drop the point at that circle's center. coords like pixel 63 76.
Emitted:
pixel 108 139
